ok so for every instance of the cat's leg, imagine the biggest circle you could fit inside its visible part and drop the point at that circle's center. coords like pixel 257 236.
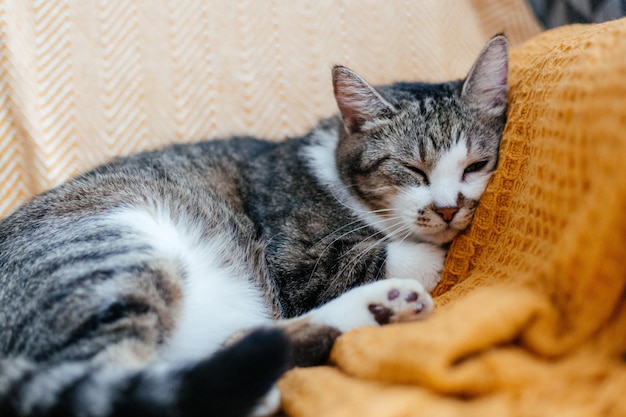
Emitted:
pixel 391 300
pixel 313 334
pixel 387 301
pixel 228 383
pixel 420 261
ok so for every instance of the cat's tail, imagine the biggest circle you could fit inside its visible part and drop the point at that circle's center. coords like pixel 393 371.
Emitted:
pixel 230 383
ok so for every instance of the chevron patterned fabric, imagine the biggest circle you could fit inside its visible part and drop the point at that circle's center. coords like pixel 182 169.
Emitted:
pixel 84 81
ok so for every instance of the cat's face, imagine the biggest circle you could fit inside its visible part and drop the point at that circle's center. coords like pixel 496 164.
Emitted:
pixel 418 156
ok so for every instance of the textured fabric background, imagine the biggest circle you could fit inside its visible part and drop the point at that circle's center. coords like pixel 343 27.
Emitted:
pixel 531 318
pixel 82 81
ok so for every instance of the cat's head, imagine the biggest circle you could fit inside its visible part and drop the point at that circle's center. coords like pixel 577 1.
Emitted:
pixel 418 156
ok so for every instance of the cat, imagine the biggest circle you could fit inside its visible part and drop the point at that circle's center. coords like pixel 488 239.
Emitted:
pixel 185 281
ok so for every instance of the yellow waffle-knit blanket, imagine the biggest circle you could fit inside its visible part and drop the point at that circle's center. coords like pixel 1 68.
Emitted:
pixel 531 318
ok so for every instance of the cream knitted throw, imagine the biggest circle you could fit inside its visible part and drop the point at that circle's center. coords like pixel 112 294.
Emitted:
pixel 82 81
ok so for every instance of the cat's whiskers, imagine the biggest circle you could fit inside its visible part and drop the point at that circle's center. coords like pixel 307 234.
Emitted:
pixel 365 212
pixel 357 220
pixel 319 258
pixel 405 236
pixel 355 260
pixel 345 234
pixel 385 238
pixel 353 230
pixel 389 235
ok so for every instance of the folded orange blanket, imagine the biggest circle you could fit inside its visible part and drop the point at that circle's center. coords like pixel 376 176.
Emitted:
pixel 531 317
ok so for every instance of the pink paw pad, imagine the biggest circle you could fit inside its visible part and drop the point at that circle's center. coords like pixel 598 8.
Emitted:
pixel 381 314
pixel 393 294
pixel 412 296
pixel 400 303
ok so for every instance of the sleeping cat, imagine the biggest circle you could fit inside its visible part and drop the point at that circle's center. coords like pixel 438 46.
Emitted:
pixel 184 281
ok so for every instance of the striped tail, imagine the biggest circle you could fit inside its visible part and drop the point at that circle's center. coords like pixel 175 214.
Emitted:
pixel 230 383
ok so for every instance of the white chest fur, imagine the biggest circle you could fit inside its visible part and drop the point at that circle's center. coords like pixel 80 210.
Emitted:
pixel 420 261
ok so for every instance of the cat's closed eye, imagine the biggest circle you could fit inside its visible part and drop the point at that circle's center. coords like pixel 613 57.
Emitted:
pixel 475 167
pixel 419 172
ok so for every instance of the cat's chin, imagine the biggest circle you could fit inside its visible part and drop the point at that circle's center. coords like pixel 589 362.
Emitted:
pixel 440 237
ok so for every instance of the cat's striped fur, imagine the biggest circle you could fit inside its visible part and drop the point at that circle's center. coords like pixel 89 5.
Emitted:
pixel 120 288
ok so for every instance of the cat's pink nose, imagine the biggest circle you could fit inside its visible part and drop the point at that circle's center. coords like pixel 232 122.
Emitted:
pixel 446 213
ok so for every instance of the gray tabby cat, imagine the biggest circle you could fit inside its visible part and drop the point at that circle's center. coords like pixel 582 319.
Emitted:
pixel 135 289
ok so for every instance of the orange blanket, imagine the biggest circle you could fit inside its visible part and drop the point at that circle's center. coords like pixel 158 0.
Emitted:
pixel 531 318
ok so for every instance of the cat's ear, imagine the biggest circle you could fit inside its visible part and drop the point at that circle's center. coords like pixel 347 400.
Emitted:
pixel 358 101
pixel 486 84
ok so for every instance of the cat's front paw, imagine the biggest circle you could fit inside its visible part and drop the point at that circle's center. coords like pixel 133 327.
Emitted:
pixel 390 300
pixel 399 300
